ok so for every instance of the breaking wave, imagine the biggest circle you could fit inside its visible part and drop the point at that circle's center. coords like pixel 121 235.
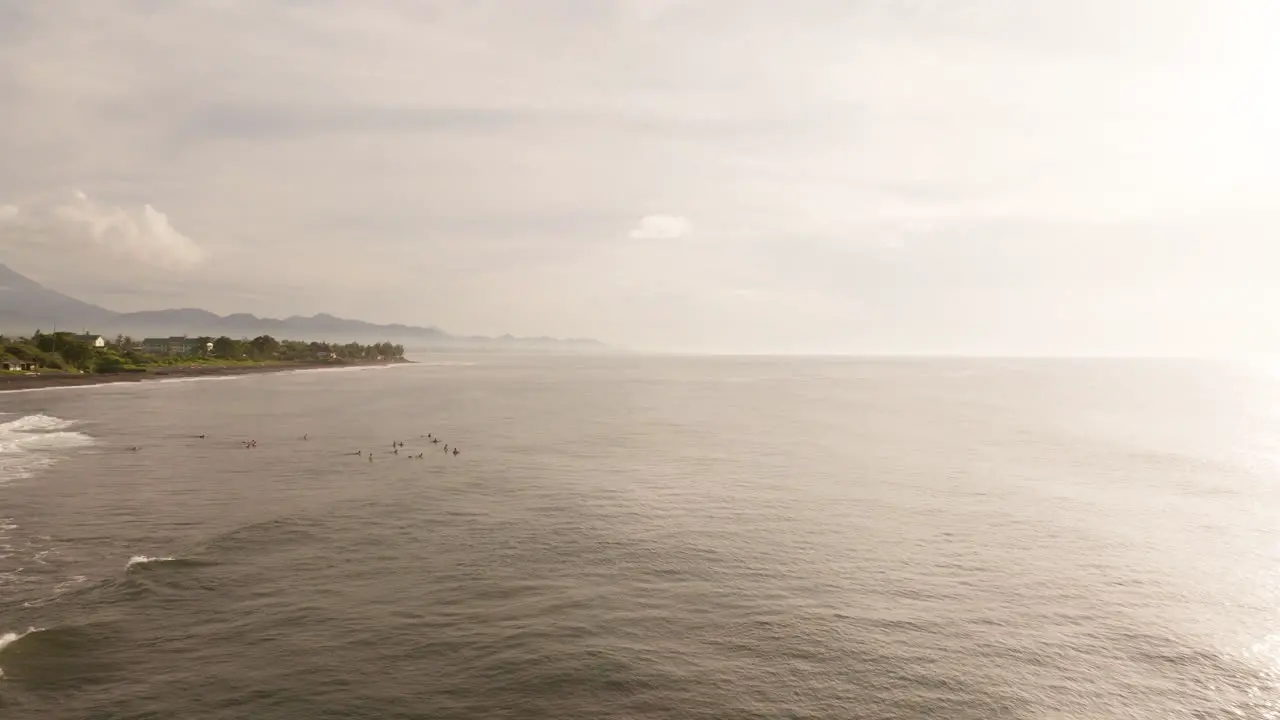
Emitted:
pixel 10 638
pixel 31 442
pixel 145 560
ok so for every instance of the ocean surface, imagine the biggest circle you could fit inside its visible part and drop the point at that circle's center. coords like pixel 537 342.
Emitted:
pixel 637 538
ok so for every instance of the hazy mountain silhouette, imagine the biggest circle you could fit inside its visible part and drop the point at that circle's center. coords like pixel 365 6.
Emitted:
pixel 26 305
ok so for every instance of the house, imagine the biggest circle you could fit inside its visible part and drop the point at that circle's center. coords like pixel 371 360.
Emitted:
pixel 175 346
pixel 12 364
pixel 156 346
pixel 93 340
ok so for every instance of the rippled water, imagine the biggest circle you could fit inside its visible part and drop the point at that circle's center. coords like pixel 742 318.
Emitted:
pixel 647 538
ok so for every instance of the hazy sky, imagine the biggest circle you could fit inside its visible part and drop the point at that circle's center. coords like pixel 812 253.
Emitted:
pixel 822 175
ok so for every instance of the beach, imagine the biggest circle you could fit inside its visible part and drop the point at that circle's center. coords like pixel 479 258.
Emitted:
pixel 32 381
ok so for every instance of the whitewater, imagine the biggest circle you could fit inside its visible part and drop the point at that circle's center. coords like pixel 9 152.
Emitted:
pixel 31 442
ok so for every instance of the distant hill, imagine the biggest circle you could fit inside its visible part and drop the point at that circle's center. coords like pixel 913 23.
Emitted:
pixel 26 305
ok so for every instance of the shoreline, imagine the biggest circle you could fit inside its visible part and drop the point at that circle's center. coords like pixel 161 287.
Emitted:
pixel 61 380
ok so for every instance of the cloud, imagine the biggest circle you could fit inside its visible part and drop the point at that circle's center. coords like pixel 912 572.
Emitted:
pixel 457 163
pixel 141 235
pixel 661 227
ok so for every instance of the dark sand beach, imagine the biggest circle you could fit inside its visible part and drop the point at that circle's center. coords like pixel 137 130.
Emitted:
pixel 33 381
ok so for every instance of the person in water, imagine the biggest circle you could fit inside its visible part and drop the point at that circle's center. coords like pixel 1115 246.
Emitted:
pixel 455 452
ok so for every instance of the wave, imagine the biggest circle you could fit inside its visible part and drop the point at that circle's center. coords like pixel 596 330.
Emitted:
pixel 10 638
pixel 200 378
pixel 32 441
pixel 145 560
pixel 133 385
pixel 347 368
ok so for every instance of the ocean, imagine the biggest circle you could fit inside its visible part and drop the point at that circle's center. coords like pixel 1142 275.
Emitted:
pixel 647 537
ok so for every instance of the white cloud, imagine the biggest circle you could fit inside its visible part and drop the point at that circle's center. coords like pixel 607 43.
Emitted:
pixel 661 227
pixel 138 235
pixel 142 234
pixel 893 153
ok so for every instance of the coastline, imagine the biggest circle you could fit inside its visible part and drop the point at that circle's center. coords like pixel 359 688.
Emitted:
pixel 59 380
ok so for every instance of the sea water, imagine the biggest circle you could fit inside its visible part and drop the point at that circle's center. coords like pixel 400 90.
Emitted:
pixel 647 538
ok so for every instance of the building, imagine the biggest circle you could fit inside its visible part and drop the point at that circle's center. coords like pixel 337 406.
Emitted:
pixel 176 346
pixel 93 340
pixel 14 364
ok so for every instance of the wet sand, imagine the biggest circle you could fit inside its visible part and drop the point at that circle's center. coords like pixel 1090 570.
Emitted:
pixel 52 380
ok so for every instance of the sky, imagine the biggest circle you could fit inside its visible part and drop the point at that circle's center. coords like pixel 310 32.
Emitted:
pixel 834 176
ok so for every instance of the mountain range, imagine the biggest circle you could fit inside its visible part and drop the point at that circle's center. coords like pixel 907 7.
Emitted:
pixel 26 305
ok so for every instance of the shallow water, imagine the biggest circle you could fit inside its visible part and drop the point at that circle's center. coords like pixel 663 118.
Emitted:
pixel 647 538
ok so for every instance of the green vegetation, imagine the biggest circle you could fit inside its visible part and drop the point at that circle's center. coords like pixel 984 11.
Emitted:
pixel 44 352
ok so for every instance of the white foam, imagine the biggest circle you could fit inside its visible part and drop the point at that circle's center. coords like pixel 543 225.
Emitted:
pixel 7 639
pixel 33 441
pixel 10 638
pixel 68 584
pixel 347 368
pixel 144 560
pixel 198 378
pixel 126 384
pixel 35 423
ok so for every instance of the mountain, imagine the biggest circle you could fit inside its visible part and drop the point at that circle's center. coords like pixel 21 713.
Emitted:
pixel 26 305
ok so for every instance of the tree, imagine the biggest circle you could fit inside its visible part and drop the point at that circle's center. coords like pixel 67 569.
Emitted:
pixel 77 353
pixel 264 347
pixel 108 363
pixel 225 348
